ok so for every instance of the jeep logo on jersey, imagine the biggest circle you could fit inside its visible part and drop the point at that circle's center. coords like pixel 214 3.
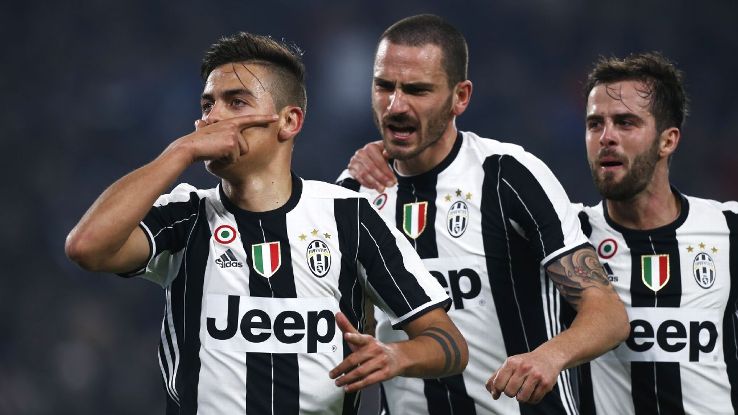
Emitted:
pixel 457 218
pixel 266 258
pixel 414 218
pixel 461 278
pixel 272 325
pixel 704 270
pixel 671 335
pixel 225 234
pixel 655 271
pixel 318 258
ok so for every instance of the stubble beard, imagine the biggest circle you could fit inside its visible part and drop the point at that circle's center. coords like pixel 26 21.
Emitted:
pixel 436 126
pixel 635 180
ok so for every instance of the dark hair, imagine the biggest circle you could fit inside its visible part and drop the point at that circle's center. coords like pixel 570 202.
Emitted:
pixel 284 59
pixel 669 102
pixel 426 29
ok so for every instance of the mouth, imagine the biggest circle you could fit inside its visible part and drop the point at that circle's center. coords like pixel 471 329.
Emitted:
pixel 400 132
pixel 610 163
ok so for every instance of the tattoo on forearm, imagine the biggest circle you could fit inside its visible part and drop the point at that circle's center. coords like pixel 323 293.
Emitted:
pixel 447 343
pixel 574 273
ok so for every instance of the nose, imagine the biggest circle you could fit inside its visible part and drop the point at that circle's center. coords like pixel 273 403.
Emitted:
pixel 397 103
pixel 214 115
pixel 609 136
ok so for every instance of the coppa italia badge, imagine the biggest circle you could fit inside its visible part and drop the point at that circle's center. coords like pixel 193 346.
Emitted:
pixel 267 258
pixel 414 218
pixel 225 234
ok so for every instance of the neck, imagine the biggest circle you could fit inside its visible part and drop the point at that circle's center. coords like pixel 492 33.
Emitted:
pixel 261 191
pixel 654 207
pixel 431 156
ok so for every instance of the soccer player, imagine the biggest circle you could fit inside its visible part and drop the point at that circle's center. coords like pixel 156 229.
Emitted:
pixel 493 225
pixel 672 258
pixel 260 271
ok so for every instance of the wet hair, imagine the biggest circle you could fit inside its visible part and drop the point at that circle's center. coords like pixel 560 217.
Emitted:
pixel 425 29
pixel 664 82
pixel 284 60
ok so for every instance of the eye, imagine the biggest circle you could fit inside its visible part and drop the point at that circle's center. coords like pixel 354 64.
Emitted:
pixel 593 124
pixel 205 107
pixel 238 102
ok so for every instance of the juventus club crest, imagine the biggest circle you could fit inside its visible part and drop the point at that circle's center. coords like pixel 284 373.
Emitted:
pixel 267 258
pixel 414 217
pixel 704 270
pixel 655 271
pixel 457 218
pixel 318 258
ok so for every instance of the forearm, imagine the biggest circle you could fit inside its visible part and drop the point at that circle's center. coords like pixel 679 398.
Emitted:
pixel 110 221
pixel 436 351
pixel 600 325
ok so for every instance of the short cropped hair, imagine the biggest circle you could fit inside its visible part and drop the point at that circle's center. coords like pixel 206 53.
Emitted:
pixel 285 61
pixel 669 102
pixel 425 29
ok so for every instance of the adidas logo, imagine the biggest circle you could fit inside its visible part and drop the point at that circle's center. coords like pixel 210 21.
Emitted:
pixel 228 260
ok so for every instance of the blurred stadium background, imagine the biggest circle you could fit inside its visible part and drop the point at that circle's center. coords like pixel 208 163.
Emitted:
pixel 94 89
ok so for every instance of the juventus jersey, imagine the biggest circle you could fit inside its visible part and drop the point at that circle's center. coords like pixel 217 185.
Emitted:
pixel 249 324
pixel 486 221
pixel 679 283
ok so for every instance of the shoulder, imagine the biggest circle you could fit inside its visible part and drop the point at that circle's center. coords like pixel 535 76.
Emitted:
pixel 314 189
pixel 701 204
pixel 185 192
pixel 501 153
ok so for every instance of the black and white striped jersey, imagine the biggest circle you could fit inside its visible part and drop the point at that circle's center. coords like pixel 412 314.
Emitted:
pixel 485 221
pixel 679 283
pixel 249 324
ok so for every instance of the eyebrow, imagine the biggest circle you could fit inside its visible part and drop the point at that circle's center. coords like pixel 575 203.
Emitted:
pixel 413 85
pixel 228 93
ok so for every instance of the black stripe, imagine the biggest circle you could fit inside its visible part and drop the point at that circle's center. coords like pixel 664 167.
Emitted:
pixel 414 189
pixel 586 393
pixel 349 183
pixel 519 307
pixel 584 222
pixel 448 396
pixel 729 319
pixel 655 385
pixel 347 224
pixel 374 231
pixel 261 386
pixel 186 297
pixel 171 223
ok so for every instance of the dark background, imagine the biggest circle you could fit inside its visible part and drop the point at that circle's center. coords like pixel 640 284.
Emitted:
pixel 93 90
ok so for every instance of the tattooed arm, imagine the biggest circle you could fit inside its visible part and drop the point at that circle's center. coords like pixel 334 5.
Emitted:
pixel 436 349
pixel 600 325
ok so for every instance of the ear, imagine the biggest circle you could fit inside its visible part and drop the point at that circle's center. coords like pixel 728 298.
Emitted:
pixel 669 140
pixel 290 122
pixel 462 96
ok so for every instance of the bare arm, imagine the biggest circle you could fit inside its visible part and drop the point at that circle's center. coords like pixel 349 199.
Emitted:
pixel 600 325
pixel 369 167
pixel 436 348
pixel 108 238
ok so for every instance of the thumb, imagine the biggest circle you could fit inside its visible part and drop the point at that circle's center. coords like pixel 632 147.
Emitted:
pixel 385 154
pixel 199 124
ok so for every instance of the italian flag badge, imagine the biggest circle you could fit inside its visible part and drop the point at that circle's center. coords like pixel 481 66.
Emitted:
pixel 655 271
pixel 267 258
pixel 414 218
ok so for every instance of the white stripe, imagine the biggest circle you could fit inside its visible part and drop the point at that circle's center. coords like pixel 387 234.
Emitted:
pixel 385 266
pixel 165 345
pixel 509 258
pixel 538 229
pixel 175 346
pixel 164 376
pixel 184 259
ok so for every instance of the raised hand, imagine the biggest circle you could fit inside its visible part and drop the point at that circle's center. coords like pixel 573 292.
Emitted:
pixel 369 167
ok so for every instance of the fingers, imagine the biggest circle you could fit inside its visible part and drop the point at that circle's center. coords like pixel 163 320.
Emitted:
pixel 369 167
pixel 199 124
pixel 520 379
pixel 344 324
pixel 246 121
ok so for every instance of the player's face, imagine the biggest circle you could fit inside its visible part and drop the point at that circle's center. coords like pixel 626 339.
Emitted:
pixel 411 99
pixel 237 89
pixel 622 141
